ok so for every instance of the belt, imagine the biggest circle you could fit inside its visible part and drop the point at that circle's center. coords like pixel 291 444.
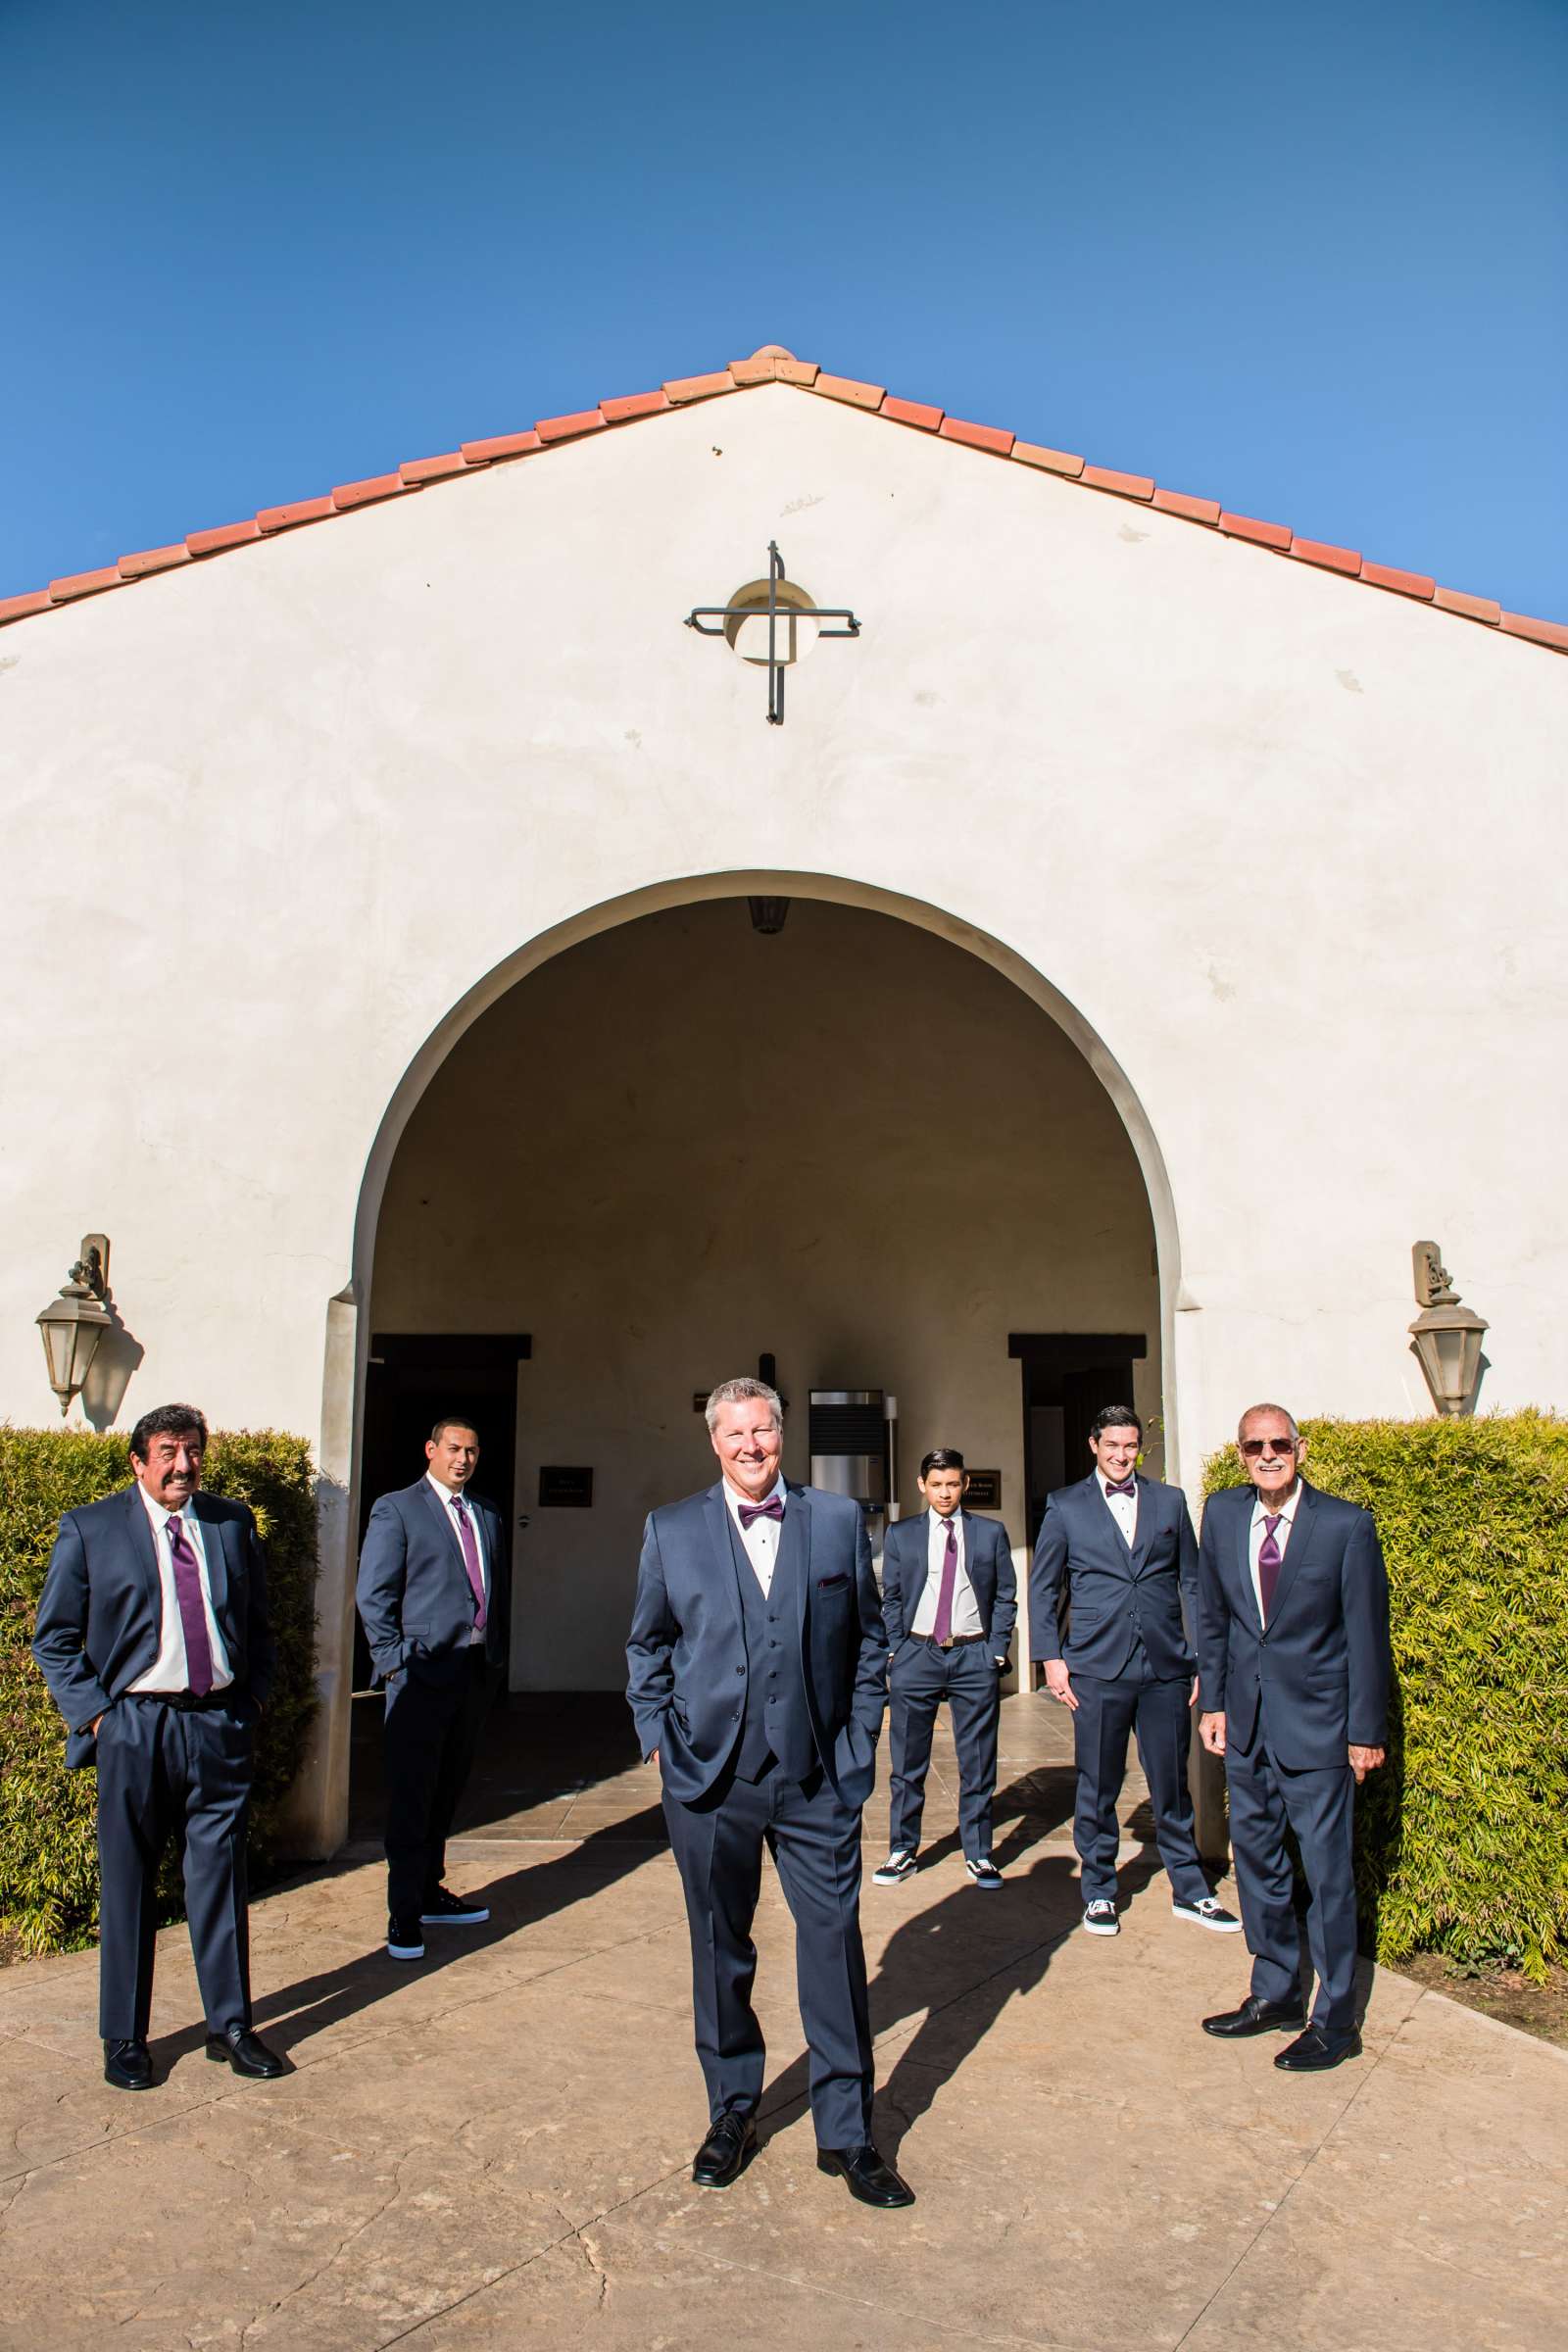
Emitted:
pixel 188 1702
pixel 954 1640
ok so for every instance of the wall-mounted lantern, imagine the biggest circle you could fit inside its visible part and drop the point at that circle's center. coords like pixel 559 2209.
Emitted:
pixel 1446 1337
pixel 74 1323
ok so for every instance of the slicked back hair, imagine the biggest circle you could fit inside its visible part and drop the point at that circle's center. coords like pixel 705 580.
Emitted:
pixel 941 1457
pixel 1114 1416
pixel 452 1421
pixel 1251 1412
pixel 168 1421
pixel 742 1392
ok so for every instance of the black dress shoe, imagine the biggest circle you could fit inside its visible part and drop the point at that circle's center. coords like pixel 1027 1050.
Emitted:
pixel 1319 2048
pixel 870 2179
pixel 127 2065
pixel 246 2053
pixel 726 2151
pixel 1257 2017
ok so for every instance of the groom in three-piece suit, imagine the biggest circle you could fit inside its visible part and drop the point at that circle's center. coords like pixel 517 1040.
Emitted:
pixel 153 1638
pixel 756 1668
pixel 1294 1663
pixel 1112 1609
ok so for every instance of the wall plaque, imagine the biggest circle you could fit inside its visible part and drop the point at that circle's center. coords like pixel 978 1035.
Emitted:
pixel 566 1490
pixel 984 1491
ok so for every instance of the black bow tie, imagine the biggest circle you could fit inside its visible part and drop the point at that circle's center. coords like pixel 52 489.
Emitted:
pixel 1125 1485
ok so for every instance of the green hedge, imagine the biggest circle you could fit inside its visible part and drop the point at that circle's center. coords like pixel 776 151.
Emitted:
pixel 1462 1837
pixel 48 1856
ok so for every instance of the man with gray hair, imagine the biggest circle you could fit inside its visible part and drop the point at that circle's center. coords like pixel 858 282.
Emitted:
pixel 758 1680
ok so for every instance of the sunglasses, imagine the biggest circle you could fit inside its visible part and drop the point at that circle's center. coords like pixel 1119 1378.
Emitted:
pixel 1254 1447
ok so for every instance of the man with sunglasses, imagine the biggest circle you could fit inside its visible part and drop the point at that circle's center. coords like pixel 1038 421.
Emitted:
pixel 1293 1664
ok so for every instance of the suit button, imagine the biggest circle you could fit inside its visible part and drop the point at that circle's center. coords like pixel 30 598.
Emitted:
pixel 740 1670
pixel 735 1718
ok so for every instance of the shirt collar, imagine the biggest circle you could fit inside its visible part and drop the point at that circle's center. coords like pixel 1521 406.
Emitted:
pixel 448 1494
pixel 734 1497
pixel 157 1511
pixel 1104 1484
pixel 1286 1510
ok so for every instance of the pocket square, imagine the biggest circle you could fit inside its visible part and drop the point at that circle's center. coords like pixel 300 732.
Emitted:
pixel 827 1583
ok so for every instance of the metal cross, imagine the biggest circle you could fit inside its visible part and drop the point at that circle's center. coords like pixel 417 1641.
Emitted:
pixel 711 620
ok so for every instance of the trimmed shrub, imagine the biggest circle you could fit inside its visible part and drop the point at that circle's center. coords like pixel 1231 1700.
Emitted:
pixel 48 1850
pixel 1462 1837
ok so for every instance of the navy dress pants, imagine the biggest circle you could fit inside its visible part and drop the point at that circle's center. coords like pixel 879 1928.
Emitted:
pixel 1108 1712
pixel 166 1772
pixel 1320 1808
pixel 814 1839
pixel 435 1711
pixel 920 1677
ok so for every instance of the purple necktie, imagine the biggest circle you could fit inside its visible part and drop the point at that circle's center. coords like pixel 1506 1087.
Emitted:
pixel 773 1508
pixel 1124 1485
pixel 192 1615
pixel 1270 1560
pixel 942 1630
pixel 471 1561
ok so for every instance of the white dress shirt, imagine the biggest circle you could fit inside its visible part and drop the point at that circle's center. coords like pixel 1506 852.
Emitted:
pixel 449 1497
pixel 759 1541
pixel 1281 1536
pixel 967 1617
pixel 169 1671
pixel 1123 1509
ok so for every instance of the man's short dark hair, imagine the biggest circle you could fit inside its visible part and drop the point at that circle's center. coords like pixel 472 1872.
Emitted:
pixel 167 1421
pixel 941 1457
pixel 451 1421
pixel 1114 1416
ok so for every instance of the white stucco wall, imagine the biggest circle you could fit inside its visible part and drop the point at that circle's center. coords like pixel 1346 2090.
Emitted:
pixel 1276 841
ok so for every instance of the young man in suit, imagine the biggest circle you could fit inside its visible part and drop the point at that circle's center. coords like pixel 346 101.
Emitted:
pixel 433 1592
pixel 1294 1656
pixel 949 1599
pixel 757 1666
pixel 1114 1577
pixel 153 1638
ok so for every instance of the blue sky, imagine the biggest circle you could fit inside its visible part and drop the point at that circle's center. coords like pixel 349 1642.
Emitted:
pixel 1311 260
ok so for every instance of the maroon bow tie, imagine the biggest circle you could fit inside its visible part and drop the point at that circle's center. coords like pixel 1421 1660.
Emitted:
pixel 773 1508
pixel 1124 1485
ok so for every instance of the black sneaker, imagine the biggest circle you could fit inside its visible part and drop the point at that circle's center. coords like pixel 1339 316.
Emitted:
pixel 897 1867
pixel 405 1940
pixel 444 1910
pixel 1207 1913
pixel 983 1871
pixel 1100 1917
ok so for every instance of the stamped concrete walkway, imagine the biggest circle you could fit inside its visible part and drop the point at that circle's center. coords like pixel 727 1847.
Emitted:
pixel 492 2151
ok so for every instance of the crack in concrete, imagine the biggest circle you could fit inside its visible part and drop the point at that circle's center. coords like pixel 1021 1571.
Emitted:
pixel 369 2221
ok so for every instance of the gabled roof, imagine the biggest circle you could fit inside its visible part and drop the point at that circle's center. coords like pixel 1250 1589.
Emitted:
pixel 774 365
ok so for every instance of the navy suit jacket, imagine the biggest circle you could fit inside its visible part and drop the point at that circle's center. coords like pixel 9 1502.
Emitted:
pixel 687 1678
pixel 415 1602
pixel 1316 1682
pixel 988 1564
pixel 101 1612
pixel 1092 1599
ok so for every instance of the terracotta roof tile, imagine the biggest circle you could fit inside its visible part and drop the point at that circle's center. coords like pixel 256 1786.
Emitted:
pixel 153 559
pixel 850 388
pixel 978 436
pixel 1053 461
pixel 1402 583
pixel 1330 559
pixel 83 583
pixel 285 519
pixel 1264 534
pixel 912 412
pixel 1473 607
pixel 632 404
pixel 1540 632
pixel 227 534
pixel 365 493
pixel 1125 485
pixel 772 364
pixel 500 445
pixel 1190 510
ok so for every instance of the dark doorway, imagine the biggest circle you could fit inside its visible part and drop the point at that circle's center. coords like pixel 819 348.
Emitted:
pixel 1068 1377
pixel 411 1379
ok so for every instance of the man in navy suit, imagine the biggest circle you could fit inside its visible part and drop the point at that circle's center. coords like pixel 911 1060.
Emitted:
pixel 433 1592
pixel 153 1638
pixel 1294 1657
pixel 949 1599
pixel 757 1665
pixel 1114 1576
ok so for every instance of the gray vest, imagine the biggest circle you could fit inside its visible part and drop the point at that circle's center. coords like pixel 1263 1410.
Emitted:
pixel 777 1725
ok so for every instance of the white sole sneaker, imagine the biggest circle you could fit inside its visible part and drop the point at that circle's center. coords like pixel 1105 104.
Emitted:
pixel 1101 1926
pixel 1216 1927
pixel 893 1878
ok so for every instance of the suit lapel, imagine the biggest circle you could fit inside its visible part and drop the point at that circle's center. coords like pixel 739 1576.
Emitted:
pixel 1120 1552
pixel 443 1519
pixel 1244 1559
pixel 217 1558
pixel 725 1547
pixel 1143 1523
pixel 1303 1526
pixel 139 1528
pixel 795 1547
